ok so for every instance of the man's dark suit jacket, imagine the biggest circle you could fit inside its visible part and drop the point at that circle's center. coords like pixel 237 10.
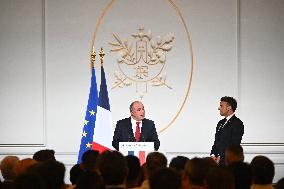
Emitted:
pixel 124 133
pixel 231 133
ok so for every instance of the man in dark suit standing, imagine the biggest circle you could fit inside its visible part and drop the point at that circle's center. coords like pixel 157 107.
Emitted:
pixel 228 131
pixel 136 128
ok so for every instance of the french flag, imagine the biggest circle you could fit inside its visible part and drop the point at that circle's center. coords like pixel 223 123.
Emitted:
pixel 103 131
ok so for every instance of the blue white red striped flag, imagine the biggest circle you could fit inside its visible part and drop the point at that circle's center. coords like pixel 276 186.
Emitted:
pixel 103 132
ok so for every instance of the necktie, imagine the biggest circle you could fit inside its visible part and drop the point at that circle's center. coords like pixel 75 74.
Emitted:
pixel 137 132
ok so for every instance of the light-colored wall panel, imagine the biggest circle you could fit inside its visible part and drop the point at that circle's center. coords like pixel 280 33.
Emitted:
pixel 262 70
pixel 21 72
pixel 69 29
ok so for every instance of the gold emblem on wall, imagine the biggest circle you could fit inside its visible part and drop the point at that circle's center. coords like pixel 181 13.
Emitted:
pixel 141 60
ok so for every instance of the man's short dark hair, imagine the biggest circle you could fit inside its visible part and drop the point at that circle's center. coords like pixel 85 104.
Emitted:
pixel 178 163
pixel 262 170
pixel 196 170
pixel 44 155
pixel 231 101
pixel 219 178
pixel 89 159
pixel 280 184
pixel 52 172
pixel 236 149
pixel 242 174
pixel 75 173
pixel 113 167
pixel 154 161
pixel 133 167
pixel 165 178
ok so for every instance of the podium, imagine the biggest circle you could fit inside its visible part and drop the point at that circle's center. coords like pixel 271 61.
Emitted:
pixel 139 149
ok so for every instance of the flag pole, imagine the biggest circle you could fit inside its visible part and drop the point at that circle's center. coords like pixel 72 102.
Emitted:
pixel 102 54
pixel 92 57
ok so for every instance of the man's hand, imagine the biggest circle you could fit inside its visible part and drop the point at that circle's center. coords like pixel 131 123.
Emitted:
pixel 216 159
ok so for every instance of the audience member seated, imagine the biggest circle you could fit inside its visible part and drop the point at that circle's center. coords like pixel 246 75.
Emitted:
pixel 7 169
pixel 210 162
pixel 234 153
pixel 134 171
pixel 280 184
pixel 23 165
pixel 89 159
pixel 29 180
pixel 112 166
pixel 242 174
pixel 219 178
pixel 75 173
pixel 44 155
pixel 165 178
pixel 154 161
pixel 90 180
pixel 178 163
pixel 52 172
pixel 262 173
pixel 194 173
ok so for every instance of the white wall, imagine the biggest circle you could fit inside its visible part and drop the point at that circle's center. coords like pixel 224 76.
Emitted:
pixel 45 76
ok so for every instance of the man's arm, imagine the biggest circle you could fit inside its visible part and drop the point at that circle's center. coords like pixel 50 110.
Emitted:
pixel 116 136
pixel 237 132
pixel 214 150
pixel 154 137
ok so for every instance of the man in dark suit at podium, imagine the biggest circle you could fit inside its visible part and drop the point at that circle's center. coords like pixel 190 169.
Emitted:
pixel 228 131
pixel 136 128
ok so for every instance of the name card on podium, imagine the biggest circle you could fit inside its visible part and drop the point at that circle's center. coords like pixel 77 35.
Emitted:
pixel 139 149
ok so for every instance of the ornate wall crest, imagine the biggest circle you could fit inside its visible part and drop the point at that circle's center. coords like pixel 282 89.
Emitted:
pixel 141 61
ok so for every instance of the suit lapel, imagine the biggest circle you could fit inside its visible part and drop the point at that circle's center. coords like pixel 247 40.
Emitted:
pixel 230 120
pixel 220 126
pixel 130 130
pixel 226 124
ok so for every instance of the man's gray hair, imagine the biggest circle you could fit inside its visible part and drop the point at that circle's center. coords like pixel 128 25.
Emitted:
pixel 131 105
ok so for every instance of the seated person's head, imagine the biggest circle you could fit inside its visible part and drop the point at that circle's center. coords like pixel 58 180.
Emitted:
pixel 75 173
pixel 7 167
pixel 112 166
pixel 23 165
pixel 178 163
pixel 262 170
pixel 165 178
pixel 134 171
pixel 52 172
pixel 44 155
pixel 89 159
pixel 90 180
pixel 242 174
pixel 154 161
pixel 280 184
pixel 29 180
pixel 234 153
pixel 219 178
pixel 195 172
